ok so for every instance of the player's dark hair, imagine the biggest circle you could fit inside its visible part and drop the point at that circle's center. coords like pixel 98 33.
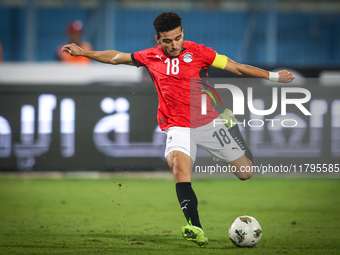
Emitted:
pixel 166 22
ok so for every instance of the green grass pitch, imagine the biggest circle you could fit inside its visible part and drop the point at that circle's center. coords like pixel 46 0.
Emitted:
pixel 142 216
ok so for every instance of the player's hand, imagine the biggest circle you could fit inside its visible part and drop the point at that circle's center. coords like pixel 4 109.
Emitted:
pixel 286 77
pixel 73 49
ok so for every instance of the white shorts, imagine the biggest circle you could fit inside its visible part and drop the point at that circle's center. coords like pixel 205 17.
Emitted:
pixel 216 140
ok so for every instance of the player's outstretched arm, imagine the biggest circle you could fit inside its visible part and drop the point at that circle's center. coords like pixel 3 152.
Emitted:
pixel 108 57
pixel 251 71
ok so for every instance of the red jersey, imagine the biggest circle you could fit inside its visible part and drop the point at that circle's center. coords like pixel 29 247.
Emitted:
pixel 178 98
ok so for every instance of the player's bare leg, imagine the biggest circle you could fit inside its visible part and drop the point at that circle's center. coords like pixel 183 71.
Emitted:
pixel 244 167
pixel 181 165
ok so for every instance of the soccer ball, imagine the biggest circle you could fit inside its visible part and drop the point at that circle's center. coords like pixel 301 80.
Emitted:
pixel 245 231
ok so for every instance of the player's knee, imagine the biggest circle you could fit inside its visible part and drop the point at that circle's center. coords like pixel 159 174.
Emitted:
pixel 176 165
pixel 250 167
pixel 247 171
pixel 246 176
pixel 179 167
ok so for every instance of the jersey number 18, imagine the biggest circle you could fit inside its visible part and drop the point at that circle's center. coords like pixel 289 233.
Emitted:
pixel 173 66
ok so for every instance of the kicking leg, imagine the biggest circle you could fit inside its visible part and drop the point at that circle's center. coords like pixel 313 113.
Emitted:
pixel 243 166
pixel 244 163
pixel 230 122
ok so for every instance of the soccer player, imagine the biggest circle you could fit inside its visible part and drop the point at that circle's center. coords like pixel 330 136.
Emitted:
pixel 172 65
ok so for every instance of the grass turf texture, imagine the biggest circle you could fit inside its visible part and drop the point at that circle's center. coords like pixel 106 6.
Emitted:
pixel 142 216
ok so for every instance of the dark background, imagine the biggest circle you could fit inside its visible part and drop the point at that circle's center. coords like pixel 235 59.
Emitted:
pixel 143 110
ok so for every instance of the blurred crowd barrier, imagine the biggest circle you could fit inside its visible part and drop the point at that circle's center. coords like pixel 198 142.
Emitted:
pixel 60 74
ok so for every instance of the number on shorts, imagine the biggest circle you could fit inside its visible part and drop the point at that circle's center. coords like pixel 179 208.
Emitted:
pixel 222 137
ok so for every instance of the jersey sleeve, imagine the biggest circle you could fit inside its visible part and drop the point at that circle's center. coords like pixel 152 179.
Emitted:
pixel 212 58
pixel 140 58
pixel 208 55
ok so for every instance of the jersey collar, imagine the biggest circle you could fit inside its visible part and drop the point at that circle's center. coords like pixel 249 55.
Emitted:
pixel 179 53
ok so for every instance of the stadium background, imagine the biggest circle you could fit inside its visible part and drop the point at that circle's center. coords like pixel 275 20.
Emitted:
pixel 54 116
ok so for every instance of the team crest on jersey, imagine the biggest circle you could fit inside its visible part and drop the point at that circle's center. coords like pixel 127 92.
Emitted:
pixel 187 57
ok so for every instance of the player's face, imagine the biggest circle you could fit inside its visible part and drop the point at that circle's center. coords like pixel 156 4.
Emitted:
pixel 172 41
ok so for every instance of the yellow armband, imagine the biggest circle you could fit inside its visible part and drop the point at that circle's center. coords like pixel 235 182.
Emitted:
pixel 220 61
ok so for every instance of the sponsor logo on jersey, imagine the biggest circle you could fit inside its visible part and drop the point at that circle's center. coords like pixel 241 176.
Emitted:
pixel 187 57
